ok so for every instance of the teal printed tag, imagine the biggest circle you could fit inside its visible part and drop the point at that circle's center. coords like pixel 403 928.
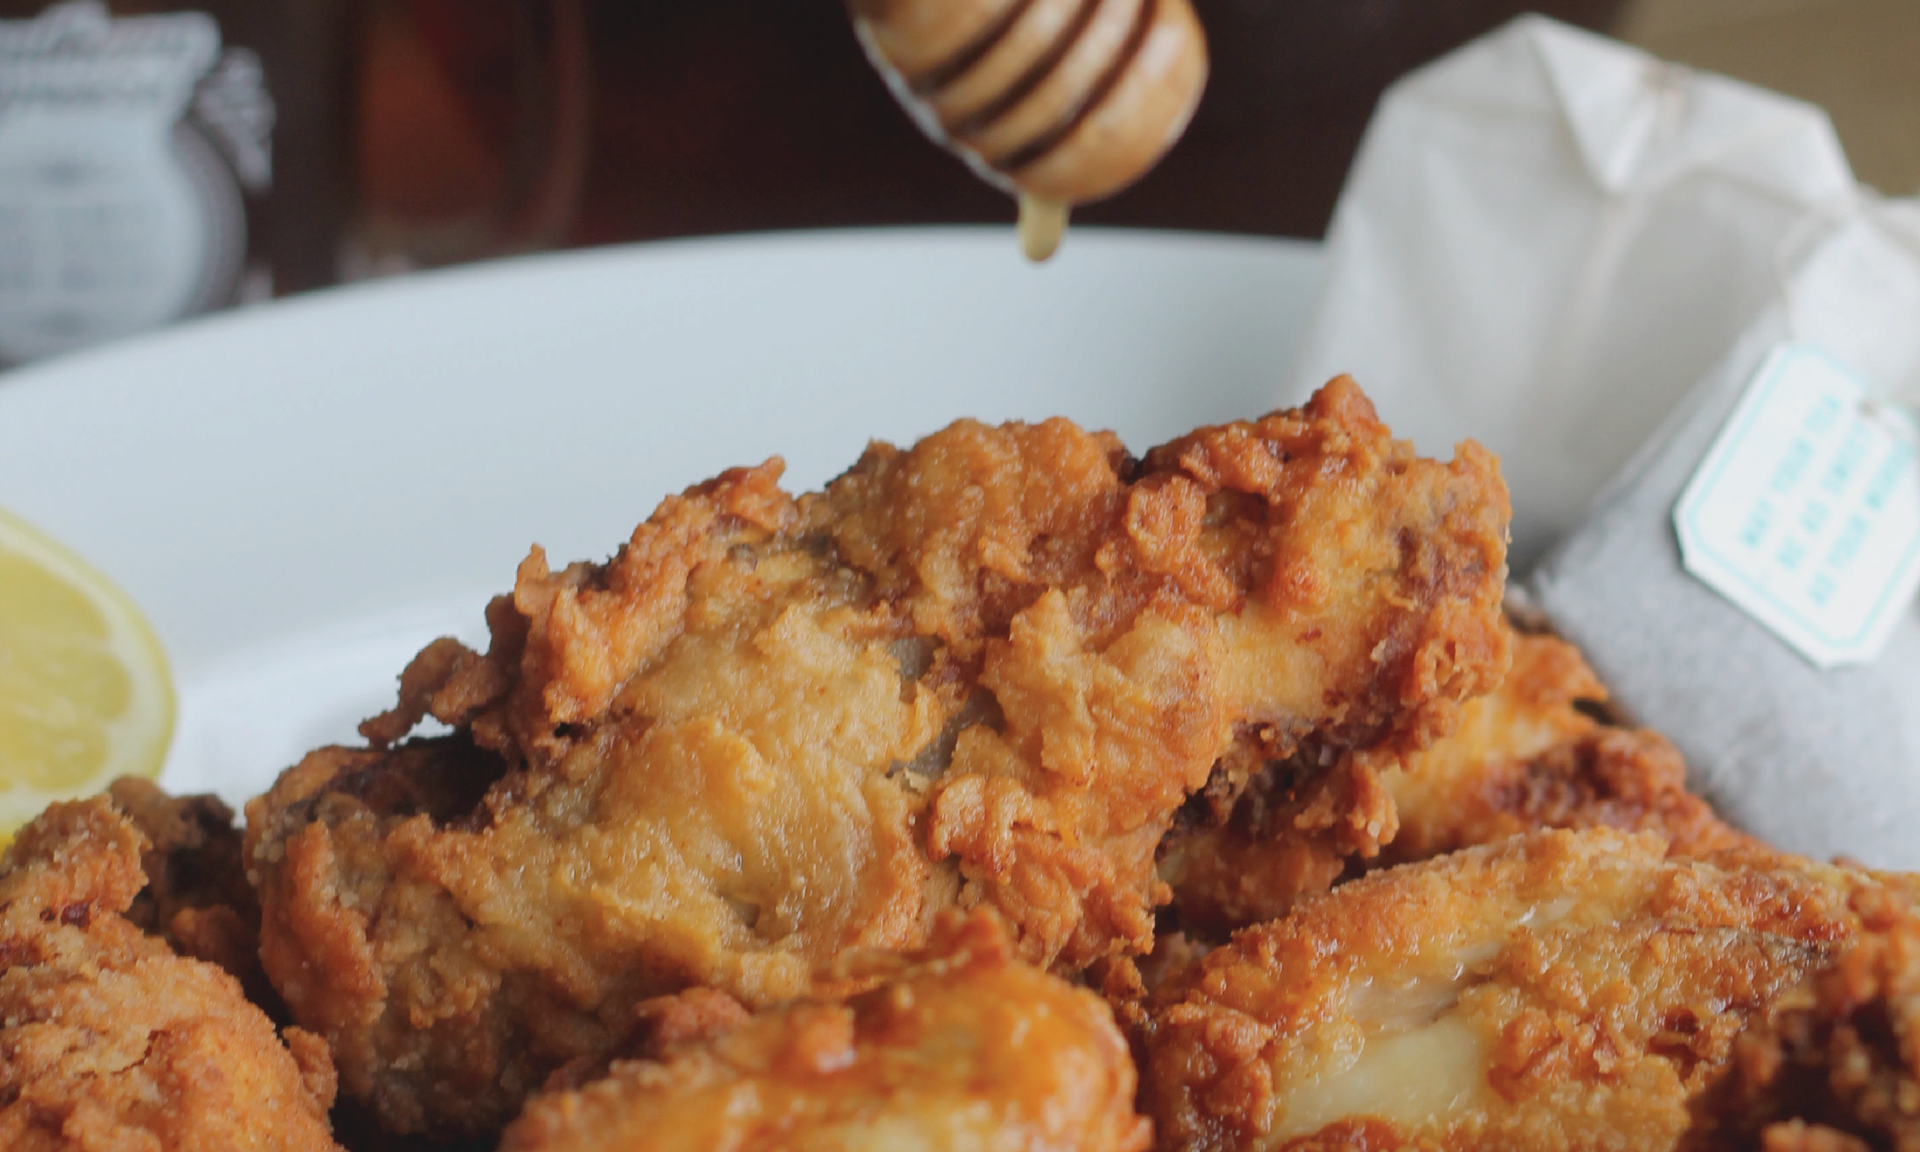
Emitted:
pixel 1806 511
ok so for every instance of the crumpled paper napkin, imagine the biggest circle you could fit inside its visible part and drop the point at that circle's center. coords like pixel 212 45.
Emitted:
pixel 1580 255
pixel 1546 239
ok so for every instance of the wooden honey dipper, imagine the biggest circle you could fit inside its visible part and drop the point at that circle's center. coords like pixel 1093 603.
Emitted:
pixel 1059 102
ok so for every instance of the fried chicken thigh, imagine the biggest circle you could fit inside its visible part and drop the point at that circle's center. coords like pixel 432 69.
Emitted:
pixel 983 671
pixel 1531 755
pixel 197 897
pixel 1837 1068
pixel 959 1048
pixel 1527 756
pixel 110 1041
pixel 1558 990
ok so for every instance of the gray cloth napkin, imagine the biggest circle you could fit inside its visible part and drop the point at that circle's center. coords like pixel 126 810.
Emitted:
pixel 1824 763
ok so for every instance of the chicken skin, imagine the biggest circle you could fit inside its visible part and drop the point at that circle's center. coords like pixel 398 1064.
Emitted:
pixel 954 1049
pixel 1837 1068
pixel 983 671
pixel 197 897
pixel 110 1041
pixel 1557 990
pixel 1527 756
pixel 1531 755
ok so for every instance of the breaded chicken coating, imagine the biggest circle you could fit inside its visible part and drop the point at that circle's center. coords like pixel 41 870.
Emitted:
pixel 108 1040
pixel 1557 990
pixel 1529 755
pixel 197 897
pixel 1837 1068
pixel 958 1048
pixel 983 671
pixel 1533 755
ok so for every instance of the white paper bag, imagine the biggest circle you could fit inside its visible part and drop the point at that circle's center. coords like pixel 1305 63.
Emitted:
pixel 1547 238
pixel 1562 247
pixel 1822 762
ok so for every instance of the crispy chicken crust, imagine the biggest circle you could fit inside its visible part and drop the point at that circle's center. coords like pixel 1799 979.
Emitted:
pixel 956 1048
pixel 1557 990
pixel 1531 755
pixel 983 671
pixel 110 1041
pixel 1837 1068
pixel 197 897
pixel 1527 756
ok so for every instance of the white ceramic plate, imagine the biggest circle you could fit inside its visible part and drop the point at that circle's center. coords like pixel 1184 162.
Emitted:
pixel 302 495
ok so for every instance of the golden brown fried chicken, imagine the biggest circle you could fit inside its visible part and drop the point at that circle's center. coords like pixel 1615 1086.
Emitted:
pixel 1531 755
pixel 986 670
pixel 1295 828
pixel 1527 756
pixel 1558 990
pixel 108 1040
pixel 1837 1068
pixel 958 1048
pixel 197 897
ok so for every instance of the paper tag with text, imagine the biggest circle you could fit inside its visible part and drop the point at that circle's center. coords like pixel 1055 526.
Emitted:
pixel 1806 510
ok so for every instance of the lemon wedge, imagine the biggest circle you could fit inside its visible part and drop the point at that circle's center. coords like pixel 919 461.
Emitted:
pixel 84 691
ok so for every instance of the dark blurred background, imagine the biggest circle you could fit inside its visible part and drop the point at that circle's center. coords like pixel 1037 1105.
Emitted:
pixel 722 115
pixel 416 133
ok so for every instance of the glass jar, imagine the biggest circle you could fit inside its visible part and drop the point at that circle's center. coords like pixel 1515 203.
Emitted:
pixel 158 161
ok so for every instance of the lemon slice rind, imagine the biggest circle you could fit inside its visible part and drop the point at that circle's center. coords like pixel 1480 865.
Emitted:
pixel 137 739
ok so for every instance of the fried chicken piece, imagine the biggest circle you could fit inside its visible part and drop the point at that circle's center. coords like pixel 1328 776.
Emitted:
pixel 959 1047
pixel 1557 990
pixel 197 897
pixel 1295 828
pixel 1837 1069
pixel 986 670
pixel 1529 755
pixel 110 1041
